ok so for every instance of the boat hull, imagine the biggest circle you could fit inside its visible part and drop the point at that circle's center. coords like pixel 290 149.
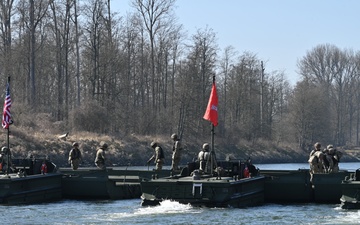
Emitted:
pixel 25 183
pixel 93 183
pixel 208 191
pixel 294 186
pixel 31 189
pixel 350 198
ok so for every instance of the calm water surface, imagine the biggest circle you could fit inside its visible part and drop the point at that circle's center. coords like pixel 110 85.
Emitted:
pixel 130 211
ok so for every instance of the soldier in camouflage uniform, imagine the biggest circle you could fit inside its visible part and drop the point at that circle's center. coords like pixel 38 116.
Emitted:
pixel 176 156
pixel 158 156
pixel 5 159
pixel 75 156
pixel 316 160
pixel 204 157
pixel 100 157
pixel 333 157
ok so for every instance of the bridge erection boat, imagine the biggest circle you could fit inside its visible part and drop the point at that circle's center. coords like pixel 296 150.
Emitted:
pixel 225 188
pixel 27 183
pixel 350 198
pixel 28 180
pixel 208 182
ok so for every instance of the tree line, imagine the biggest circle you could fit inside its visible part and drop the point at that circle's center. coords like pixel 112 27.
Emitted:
pixel 92 69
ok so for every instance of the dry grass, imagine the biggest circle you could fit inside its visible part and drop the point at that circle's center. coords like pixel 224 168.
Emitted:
pixel 42 139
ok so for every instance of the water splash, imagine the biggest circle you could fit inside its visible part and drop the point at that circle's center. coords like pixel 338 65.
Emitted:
pixel 167 207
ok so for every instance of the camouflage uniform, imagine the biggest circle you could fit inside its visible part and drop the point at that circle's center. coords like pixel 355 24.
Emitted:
pixel 316 160
pixel 75 156
pixel 334 156
pixel 158 157
pixel 329 163
pixel 177 149
pixel 203 158
pixel 5 158
pixel 100 157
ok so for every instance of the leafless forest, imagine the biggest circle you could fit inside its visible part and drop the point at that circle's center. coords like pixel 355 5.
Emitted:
pixel 88 68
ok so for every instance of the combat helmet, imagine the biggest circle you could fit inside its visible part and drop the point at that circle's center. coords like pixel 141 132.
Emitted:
pixel 331 149
pixel 317 145
pixel 4 150
pixel 206 146
pixel 174 136
pixel 153 144
pixel 104 146
pixel 75 144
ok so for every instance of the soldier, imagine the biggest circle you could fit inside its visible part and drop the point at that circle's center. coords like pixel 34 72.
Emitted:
pixel 75 156
pixel 316 160
pixel 176 156
pixel 328 160
pixel 5 159
pixel 204 157
pixel 334 156
pixel 100 157
pixel 158 156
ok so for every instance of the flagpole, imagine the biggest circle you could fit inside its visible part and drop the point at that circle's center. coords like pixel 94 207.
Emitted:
pixel 8 152
pixel 212 155
pixel 211 114
pixel 8 143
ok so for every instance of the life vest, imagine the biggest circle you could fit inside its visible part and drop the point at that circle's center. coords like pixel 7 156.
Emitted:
pixel 75 154
pixel 100 156
pixel 177 146
pixel 201 156
pixel 44 168
pixel 246 172
pixel 161 155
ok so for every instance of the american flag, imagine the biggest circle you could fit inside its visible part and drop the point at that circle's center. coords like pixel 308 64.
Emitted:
pixel 6 119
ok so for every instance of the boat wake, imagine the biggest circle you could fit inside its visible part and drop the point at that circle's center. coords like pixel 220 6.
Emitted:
pixel 348 216
pixel 167 207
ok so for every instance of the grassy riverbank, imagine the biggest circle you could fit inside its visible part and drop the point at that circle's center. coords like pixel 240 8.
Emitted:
pixel 135 150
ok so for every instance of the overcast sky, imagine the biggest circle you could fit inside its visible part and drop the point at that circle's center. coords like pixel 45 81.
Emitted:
pixel 279 32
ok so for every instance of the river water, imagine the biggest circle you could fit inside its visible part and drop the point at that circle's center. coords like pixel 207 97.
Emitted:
pixel 131 212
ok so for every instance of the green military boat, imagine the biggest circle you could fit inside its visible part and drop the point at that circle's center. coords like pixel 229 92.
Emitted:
pixel 208 182
pixel 26 184
pixel 112 183
pixel 294 186
pixel 225 188
pixel 24 181
pixel 350 186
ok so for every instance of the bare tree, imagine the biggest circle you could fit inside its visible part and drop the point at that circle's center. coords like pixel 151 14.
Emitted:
pixel 76 24
pixel 304 108
pixel 226 65
pixel 274 103
pixel 61 24
pixel 244 79
pixel 196 77
pixel 35 17
pixel 154 13
pixel 6 11
pixel 333 70
pixel 356 91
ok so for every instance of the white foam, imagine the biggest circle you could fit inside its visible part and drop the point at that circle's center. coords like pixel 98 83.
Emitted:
pixel 166 206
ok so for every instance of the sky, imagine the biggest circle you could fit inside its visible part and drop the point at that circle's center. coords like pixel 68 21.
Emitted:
pixel 279 32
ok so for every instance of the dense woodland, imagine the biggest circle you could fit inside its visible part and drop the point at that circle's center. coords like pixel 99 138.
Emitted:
pixel 90 69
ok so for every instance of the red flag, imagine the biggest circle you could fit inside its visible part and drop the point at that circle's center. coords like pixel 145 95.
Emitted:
pixel 6 119
pixel 211 113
